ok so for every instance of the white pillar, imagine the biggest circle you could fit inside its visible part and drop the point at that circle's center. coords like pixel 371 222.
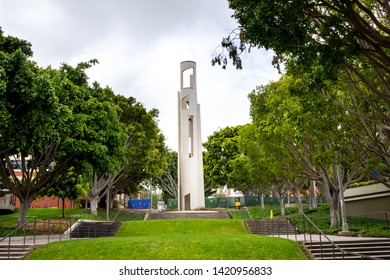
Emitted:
pixel 190 160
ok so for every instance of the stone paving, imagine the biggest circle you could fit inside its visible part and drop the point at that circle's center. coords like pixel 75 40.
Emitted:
pixel 316 237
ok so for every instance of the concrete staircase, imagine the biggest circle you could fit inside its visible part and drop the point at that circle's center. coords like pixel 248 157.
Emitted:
pixel 88 229
pixel 363 249
pixel 354 248
pixel 187 215
pixel 273 227
pixel 15 251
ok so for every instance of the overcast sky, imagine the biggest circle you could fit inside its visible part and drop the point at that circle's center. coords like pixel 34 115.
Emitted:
pixel 139 45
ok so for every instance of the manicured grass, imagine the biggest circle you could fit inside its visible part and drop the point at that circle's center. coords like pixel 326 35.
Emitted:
pixel 175 240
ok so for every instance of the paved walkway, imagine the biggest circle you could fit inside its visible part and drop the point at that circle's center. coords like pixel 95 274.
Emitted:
pixel 37 240
pixel 316 237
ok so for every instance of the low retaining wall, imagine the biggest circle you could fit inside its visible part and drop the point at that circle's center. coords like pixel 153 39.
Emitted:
pixel 368 199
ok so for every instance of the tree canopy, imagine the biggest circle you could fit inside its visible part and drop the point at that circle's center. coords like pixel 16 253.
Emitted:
pixel 345 43
pixel 221 150
pixel 53 121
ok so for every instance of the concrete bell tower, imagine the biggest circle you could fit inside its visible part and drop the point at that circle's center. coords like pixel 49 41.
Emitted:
pixel 190 160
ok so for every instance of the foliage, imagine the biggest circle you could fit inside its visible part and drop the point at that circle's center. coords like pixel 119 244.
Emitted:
pixel 221 150
pixel 56 122
pixel 167 182
pixel 146 152
pixel 330 32
pixel 69 185
pixel 343 42
pixel 53 120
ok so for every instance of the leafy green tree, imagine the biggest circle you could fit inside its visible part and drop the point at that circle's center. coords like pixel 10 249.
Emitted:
pixel 52 120
pixel 167 182
pixel 28 105
pixel 347 41
pixel 221 150
pixel 331 32
pixel 144 151
pixel 313 131
pixel 69 185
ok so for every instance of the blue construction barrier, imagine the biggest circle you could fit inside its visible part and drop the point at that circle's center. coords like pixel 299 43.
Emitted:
pixel 139 203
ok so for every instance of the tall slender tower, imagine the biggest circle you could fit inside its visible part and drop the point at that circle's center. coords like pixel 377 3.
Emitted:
pixel 190 160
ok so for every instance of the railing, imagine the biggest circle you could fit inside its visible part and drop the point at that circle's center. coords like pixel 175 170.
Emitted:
pixel 322 236
pixel 371 222
pixel 375 224
pixel 34 231
pixel 42 230
pixel 20 227
pixel 286 232
pixel 117 214
pixel 247 210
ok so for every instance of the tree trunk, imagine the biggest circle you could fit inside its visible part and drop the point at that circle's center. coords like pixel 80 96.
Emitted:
pixel 108 205
pixel 94 204
pixel 312 198
pixel 331 197
pixel 299 202
pixel 281 205
pixel 63 207
pixel 334 212
pixel 24 205
pixel 262 206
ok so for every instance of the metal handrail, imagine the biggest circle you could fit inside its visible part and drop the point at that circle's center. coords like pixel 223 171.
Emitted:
pixel 334 245
pixel 117 214
pixel 250 216
pixel 34 221
pixel 17 229
pixel 9 235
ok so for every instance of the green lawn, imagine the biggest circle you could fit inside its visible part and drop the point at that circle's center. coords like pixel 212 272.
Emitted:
pixel 175 240
pixel 41 213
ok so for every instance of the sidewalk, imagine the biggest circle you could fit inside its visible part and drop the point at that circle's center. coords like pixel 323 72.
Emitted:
pixel 37 240
pixel 317 237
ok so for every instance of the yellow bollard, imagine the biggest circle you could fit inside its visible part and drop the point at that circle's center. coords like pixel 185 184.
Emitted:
pixel 271 215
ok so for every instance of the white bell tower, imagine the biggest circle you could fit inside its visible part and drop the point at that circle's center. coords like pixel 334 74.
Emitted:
pixel 190 159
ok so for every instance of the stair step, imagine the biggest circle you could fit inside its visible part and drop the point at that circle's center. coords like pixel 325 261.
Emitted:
pixel 376 248
pixel 349 246
pixel 15 252
pixel 351 257
pixel 187 215
pixel 270 227
pixel 95 229
pixel 347 243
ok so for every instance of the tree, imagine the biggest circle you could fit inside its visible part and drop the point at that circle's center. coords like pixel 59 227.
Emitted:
pixel 168 181
pixel 221 150
pixel 308 135
pixel 348 41
pixel 144 151
pixel 109 163
pixel 52 120
pixel 69 185
pixel 28 105
pixel 249 169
